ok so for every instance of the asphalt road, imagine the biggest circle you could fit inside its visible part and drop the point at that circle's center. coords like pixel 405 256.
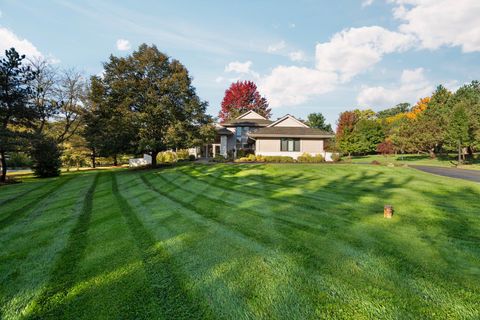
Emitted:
pixel 471 175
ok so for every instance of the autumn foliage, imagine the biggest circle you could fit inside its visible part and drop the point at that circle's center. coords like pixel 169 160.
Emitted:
pixel 418 108
pixel 386 147
pixel 241 97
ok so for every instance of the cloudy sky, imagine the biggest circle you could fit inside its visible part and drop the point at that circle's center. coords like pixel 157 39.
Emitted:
pixel 305 56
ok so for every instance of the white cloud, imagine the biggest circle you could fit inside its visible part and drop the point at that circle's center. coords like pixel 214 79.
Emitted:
pixel 291 25
pixel 289 86
pixel 348 53
pixel 123 45
pixel 276 46
pixel 412 86
pixel 239 67
pixel 219 79
pixel 297 55
pixel 366 3
pixel 8 39
pixel 441 22
pixel 354 50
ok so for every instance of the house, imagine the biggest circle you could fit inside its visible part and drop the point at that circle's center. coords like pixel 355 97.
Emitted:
pixel 287 136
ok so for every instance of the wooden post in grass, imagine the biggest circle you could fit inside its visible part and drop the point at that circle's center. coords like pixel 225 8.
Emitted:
pixel 388 211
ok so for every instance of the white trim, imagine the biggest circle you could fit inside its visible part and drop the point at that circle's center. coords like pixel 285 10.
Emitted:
pixel 248 112
pixel 286 117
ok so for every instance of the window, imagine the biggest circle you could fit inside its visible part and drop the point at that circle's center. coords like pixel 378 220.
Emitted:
pixel 289 144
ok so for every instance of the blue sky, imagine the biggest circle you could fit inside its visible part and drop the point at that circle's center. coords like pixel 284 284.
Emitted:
pixel 305 56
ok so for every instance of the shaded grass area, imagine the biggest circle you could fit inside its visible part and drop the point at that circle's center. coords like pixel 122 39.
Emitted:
pixel 242 242
pixel 449 160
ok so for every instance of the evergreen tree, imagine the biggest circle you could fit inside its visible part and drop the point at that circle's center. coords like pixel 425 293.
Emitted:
pixel 17 114
pixel 317 120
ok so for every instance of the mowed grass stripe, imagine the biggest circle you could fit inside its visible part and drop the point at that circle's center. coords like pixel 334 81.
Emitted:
pixel 301 240
pixel 16 214
pixel 208 209
pixel 269 185
pixel 174 299
pixel 31 247
pixel 293 216
pixel 208 249
pixel 305 206
pixel 63 274
pixel 20 195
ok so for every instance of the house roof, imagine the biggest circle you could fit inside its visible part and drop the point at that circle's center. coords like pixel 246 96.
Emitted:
pixel 223 131
pixel 249 114
pixel 247 123
pixel 248 119
pixel 290 132
pixel 285 117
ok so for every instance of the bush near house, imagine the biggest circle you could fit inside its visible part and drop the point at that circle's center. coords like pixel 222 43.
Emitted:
pixel 308 158
pixel 260 158
pixel 182 154
pixel 167 157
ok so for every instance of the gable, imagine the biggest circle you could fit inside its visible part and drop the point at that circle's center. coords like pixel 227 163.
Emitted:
pixel 251 115
pixel 288 121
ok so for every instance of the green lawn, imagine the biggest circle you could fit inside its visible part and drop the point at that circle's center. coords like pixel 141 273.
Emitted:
pixel 241 242
pixel 416 159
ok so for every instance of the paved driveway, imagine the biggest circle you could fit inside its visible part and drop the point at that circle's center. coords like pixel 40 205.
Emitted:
pixel 472 175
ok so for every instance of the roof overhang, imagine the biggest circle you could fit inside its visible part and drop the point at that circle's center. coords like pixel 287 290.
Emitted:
pixel 306 136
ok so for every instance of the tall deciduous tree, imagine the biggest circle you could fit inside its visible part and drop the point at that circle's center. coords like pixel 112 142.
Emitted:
pixel 345 137
pixel 16 111
pixel 457 131
pixel 145 100
pixel 241 97
pixel 317 120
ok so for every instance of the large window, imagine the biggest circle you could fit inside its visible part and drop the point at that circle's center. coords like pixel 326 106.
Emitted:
pixel 241 136
pixel 287 144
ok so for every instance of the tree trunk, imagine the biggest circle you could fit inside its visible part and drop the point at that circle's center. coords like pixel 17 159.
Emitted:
pixel 94 158
pixel 459 153
pixel 3 177
pixel 470 152
pixel 115 161
pixel 154 158
pixel 431 152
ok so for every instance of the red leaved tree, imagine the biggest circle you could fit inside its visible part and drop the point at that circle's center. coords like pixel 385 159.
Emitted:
pixel 241 97
pixel 386 147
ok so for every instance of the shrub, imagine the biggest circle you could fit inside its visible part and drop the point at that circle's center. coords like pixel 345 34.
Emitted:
pixel 260 158
pixel 167 157
pixel 191 157
pixel 336 157
pixel 219 158
pixel 182 154
pixel 251 158
pixel 242 159
pixel 278 159
pixel 19 160
pixel 308 158
pixel 46 158
pixel 386 148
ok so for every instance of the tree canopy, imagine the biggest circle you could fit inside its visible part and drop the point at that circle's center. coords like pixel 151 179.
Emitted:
pixel 241 97
pixel 17 113
pixel 145 102
pixel 317 120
